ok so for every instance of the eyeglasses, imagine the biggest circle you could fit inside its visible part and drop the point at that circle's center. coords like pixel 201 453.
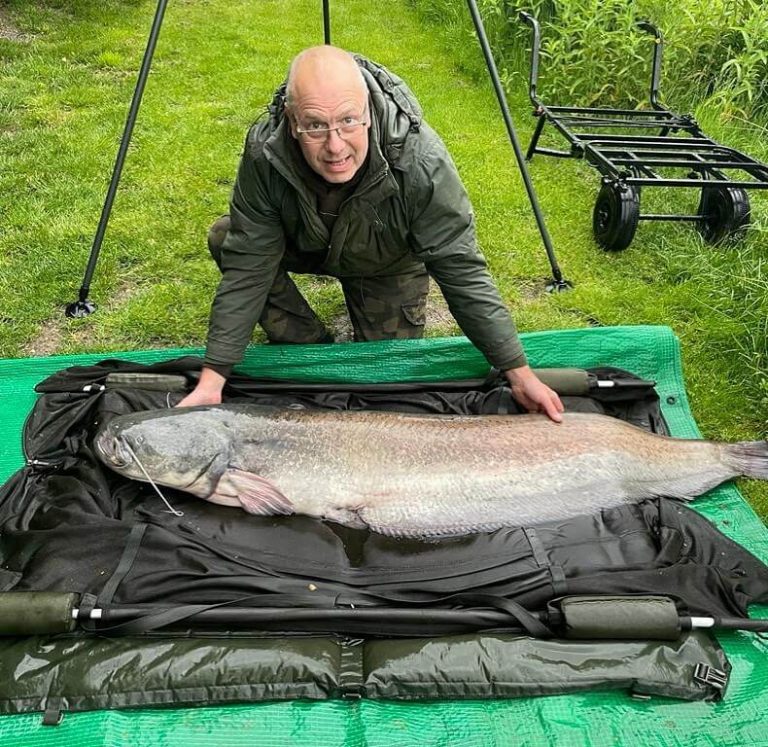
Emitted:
pixel 320 132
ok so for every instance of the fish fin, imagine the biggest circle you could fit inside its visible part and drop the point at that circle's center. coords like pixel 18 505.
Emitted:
pixel 256 494
pixel 748 458
pixel 382 521
pixel 437 534
pixel 347 516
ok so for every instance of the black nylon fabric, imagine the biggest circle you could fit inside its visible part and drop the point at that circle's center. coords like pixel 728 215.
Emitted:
pixel 65 522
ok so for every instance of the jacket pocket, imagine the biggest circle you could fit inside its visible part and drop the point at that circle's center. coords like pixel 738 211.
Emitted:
pixel 8 579
pixel 415 313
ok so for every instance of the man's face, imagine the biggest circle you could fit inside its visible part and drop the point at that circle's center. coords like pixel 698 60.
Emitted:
pixel 336 155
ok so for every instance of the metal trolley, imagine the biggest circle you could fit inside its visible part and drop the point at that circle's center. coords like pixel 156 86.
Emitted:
pixel 649 148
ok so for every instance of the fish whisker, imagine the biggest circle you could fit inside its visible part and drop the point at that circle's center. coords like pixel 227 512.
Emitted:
pixel 171 509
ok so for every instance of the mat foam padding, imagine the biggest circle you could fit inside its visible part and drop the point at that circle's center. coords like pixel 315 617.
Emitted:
pixel 595 719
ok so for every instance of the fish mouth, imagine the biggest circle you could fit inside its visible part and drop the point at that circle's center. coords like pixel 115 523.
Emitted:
pixel 111 451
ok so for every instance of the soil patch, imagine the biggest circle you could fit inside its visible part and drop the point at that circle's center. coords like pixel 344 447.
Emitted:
pixel 8 29
pixel 49 340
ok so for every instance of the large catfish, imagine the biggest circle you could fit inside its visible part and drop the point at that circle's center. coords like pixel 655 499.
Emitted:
pixel 415 475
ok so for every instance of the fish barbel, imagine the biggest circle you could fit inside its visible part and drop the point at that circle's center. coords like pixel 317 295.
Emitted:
pixel 416 475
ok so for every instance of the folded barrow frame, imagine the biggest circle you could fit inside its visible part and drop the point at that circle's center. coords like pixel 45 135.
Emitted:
pixel 642 143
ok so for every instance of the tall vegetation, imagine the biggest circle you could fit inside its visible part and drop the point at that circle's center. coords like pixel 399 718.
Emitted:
pixel 592 52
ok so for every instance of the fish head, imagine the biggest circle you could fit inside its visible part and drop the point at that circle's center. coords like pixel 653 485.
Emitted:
pixel 177 448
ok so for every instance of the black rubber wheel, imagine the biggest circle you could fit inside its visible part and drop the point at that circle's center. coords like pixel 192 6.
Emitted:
pixel 615 217
pixel 724 214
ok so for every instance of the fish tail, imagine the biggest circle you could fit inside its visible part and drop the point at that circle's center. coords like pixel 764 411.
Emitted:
pixel 748 458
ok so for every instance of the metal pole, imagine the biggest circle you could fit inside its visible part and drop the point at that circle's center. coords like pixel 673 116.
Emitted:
pixel 83 307
pixel 326 22
pixel 350 619
pixel 558 283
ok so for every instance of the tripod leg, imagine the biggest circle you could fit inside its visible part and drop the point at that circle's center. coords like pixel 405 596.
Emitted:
pixel 83 307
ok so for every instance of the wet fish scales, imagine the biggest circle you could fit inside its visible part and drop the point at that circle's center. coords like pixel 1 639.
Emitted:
pixel 419 475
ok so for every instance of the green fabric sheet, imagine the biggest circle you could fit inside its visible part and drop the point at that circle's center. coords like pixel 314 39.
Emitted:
pixel 595 719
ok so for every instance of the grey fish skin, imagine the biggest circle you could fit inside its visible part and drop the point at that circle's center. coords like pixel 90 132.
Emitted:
pixel 416 475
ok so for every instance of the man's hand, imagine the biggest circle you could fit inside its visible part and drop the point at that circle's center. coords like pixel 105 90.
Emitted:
pixel 207 391
pixel 533 394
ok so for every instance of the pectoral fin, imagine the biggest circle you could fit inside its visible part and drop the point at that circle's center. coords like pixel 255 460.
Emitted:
pixel 344 515
pixel 255 494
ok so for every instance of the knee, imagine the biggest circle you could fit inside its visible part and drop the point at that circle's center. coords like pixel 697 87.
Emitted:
pixel 216 235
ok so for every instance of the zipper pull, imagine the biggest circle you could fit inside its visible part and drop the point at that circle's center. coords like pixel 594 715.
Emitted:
pixel 94 388
pixel 38 465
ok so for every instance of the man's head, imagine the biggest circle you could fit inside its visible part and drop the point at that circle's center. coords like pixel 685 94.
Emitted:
pixel 327 90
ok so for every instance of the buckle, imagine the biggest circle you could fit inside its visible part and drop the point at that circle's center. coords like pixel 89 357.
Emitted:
pixel 352 692
pixel 53 713
pixel 707 675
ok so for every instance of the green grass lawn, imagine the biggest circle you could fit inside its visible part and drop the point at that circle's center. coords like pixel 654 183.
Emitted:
pixel 69 68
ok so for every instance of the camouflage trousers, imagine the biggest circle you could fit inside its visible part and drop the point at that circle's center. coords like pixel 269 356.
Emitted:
pixel 380 308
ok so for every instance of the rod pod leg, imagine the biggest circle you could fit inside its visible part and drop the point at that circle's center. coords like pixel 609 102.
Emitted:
pixel 558 283
pixel 84 307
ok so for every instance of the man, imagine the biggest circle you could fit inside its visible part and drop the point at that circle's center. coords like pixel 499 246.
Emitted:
pixel 345 179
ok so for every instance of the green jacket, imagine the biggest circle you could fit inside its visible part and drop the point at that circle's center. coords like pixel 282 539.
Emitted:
pixel 409 209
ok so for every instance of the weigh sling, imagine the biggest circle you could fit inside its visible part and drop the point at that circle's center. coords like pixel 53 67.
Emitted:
pixel 299 578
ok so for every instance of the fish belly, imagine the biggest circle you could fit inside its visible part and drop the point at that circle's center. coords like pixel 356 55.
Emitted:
pixel 425 475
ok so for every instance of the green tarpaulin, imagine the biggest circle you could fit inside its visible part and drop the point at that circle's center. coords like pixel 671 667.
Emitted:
pixel 591 719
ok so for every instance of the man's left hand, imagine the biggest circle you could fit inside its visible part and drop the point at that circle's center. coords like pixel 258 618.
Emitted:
pixel 533 394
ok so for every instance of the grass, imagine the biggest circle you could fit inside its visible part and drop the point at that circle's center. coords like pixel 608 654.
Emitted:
pixel 69 76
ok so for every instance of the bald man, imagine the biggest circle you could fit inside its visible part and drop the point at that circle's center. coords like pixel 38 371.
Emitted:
pixel 344 178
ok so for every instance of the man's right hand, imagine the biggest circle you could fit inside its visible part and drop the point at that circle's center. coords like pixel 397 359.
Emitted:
pixel 207 391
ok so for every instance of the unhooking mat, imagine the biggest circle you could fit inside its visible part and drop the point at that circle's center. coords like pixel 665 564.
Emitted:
pixel 585 719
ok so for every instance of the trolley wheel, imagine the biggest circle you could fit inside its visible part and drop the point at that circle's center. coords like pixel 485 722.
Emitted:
pixel 615 217
pixel 724 214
